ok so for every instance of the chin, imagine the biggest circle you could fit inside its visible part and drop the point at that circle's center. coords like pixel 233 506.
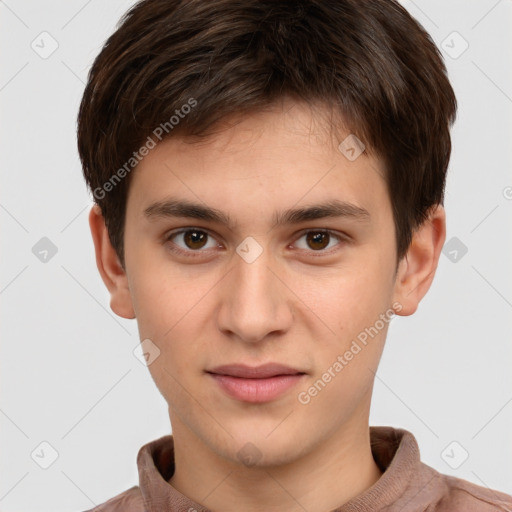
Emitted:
pixel 259 449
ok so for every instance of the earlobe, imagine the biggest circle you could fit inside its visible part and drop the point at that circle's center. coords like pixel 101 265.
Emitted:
pixel 417 269
pixel 109 266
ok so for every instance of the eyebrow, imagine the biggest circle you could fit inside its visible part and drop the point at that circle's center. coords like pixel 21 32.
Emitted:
pixel 335 208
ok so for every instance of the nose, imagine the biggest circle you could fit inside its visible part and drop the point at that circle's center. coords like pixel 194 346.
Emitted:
pixel 255 301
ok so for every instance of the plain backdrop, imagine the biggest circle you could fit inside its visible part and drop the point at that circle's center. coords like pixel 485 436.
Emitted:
pixel 69 378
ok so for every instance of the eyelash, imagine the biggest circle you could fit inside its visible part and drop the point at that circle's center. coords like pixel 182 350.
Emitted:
pixel 199 253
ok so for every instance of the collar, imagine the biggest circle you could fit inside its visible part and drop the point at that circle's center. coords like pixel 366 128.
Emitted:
pixel 395 451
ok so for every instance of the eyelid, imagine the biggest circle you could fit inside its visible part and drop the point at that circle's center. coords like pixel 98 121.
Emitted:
pixel 168 235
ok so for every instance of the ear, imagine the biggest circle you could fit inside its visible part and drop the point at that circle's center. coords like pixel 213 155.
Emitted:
pixel 111 271
pixel 417 268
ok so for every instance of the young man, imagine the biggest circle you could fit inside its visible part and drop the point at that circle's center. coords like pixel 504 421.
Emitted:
pixel 268 179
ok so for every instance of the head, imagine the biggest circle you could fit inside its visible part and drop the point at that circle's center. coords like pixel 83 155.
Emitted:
pixel 304 147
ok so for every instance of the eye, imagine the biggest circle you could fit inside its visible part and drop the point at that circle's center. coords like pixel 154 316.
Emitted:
pixel 191 240
pixel 318 240
pixel 194 241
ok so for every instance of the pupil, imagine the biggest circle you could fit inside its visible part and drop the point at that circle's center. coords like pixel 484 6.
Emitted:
pixel 318 240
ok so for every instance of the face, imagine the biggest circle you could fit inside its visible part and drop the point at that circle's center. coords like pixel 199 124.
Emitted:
pixel 270 300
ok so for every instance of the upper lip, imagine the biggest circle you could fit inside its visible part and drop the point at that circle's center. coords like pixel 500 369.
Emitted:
pixel 254 372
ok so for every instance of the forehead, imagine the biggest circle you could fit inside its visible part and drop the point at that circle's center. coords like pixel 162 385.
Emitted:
pixel 284 156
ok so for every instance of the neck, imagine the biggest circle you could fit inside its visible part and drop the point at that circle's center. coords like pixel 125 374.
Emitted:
pixel 336 471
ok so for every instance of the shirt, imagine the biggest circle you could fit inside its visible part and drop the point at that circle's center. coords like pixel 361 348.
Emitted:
pixel 406 484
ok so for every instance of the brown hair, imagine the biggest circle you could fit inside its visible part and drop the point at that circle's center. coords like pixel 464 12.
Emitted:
pixel 368 60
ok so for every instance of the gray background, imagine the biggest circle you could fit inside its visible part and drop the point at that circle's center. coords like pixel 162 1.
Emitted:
pixel 68 374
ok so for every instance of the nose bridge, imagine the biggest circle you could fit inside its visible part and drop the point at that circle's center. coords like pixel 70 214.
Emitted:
pixel 255 302
pixel 253 276
pixel 252 287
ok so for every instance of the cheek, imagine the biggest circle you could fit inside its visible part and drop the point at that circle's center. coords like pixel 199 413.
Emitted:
pixel 172 313
pixel 347 300
pixel 180 362
pixel 344 370
pixel 350 302
pixel 161 297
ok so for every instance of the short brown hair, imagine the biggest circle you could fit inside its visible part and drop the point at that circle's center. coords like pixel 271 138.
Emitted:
pixel 369 60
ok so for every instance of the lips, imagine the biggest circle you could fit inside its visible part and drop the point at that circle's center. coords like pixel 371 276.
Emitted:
pixel 256 384
pixel 255 372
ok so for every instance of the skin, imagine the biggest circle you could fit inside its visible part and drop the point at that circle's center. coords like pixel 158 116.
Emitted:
pixel 293 305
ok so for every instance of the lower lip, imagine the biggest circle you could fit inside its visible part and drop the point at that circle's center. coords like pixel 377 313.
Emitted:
pixel 256 390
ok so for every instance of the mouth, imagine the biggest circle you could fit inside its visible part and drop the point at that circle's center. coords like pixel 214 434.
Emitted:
pixel 256 384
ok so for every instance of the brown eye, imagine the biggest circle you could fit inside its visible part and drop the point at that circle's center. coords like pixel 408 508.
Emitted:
pixel 195 239
pixel 320 241
pixel 317 240
pixel 191 240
